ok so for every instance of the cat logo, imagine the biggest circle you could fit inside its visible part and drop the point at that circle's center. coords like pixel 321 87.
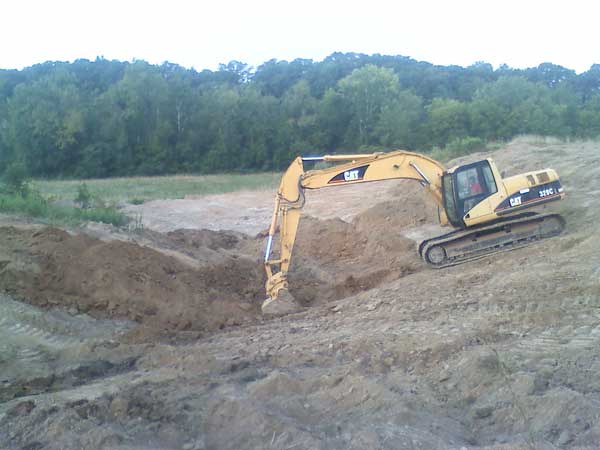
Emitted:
pixel 351 175
pixel 347 176
pixel 515 201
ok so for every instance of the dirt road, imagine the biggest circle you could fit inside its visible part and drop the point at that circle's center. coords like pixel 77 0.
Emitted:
pixel 154 340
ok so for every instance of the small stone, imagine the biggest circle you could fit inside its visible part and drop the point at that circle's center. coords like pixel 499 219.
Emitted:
pixel 564 438
pixel 444 376
pixel 119 407
pixel 373 306
pixel 22 408
pixel 482 413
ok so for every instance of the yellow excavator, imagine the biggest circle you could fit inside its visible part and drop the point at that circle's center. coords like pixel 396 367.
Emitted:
pixel 489 213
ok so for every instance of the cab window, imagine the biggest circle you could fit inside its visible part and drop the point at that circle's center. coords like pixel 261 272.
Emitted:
pixel 488 176
pixel 449 203
pixel 476 180
pixel 474 183
pixel 469 183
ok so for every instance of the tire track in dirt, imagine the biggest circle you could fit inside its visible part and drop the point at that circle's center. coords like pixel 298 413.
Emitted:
pixel 46 351
pixel 56 329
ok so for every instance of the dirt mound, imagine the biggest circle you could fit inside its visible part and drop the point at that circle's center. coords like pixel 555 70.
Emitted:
pixel 122 279
pixel 412 206
pixel 334 259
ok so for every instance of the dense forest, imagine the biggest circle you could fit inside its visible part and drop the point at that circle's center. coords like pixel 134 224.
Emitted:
pixel 110 118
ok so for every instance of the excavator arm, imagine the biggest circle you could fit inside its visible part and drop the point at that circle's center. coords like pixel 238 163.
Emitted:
pixel 353 169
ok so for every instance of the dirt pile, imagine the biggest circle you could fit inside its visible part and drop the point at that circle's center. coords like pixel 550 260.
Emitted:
pixel 334 259
pixel 164 290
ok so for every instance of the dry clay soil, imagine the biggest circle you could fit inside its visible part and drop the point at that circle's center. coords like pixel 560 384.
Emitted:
pixel 154 339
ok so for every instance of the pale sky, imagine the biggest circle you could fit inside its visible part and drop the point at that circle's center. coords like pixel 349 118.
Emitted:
pixel 202 34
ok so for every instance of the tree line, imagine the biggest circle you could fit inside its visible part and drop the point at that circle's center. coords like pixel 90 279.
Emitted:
pixel 107 118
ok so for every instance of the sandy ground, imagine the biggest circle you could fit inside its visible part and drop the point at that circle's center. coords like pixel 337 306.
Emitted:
pixel 154 340
pixel 250 211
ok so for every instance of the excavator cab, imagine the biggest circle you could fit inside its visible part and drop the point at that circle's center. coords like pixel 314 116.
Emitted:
pixel 465 187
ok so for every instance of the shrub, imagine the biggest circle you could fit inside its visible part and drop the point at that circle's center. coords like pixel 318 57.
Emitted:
pixel 34 205
pixel 15 179
pixel 84 198
pixel 104 215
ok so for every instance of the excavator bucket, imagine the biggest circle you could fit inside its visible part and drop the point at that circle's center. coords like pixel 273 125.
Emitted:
pixel 283 304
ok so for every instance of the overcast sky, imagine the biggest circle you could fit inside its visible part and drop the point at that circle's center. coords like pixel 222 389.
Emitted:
pixel 202 34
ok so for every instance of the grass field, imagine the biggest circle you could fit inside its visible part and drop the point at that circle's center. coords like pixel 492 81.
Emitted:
pixel 61 201
pixel 141 189
pixel 35 206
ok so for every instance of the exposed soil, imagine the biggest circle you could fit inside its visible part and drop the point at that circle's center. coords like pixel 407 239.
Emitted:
pixel 214 288
pixel 154 340
pixel 250 212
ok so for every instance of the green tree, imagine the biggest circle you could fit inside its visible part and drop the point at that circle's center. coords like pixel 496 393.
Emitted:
pixel 300 110
pixel 588 118
pixel 45 124
pixel 447 120
pixel 399 121
pixel 366 92
pixel 500 109
pixel 108 118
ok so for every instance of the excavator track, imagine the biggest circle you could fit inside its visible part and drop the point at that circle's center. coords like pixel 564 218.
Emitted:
pixel 507 234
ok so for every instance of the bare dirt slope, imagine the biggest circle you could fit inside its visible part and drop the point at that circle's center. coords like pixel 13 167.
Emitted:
pixel 502 353
pixel 201 291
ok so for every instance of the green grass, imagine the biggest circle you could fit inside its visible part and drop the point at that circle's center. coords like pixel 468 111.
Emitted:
pixel 57 201
pixel 138 190
pixel 36 206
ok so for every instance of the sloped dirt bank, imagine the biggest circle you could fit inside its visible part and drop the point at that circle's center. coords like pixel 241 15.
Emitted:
pixel 124 280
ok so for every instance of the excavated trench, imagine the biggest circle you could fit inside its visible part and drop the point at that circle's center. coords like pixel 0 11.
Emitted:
pixel 201 280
